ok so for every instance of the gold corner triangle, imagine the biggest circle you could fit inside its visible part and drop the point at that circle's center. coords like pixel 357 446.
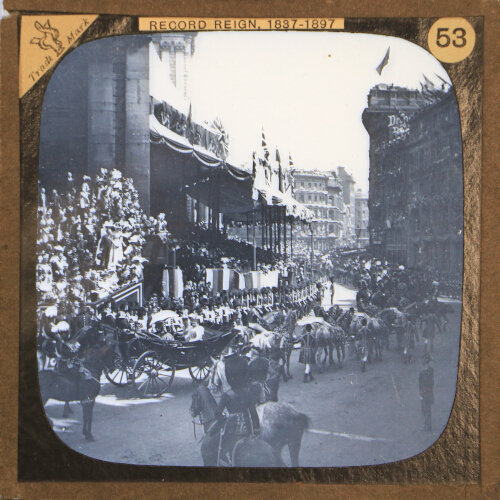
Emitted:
pixel 44 41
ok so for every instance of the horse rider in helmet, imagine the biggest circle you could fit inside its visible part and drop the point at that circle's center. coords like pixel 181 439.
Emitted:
pixel 241 417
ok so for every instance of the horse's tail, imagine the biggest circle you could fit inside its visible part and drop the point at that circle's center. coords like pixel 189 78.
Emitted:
pixel 303 421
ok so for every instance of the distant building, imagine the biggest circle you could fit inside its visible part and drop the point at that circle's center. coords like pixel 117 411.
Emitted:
pixel 362 219
pixel 323 193
pixel 416 189
pixel 349 236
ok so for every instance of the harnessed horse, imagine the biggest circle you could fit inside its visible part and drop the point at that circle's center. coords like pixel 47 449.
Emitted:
pixel 328 337
pixel 78 384
pixel 280 425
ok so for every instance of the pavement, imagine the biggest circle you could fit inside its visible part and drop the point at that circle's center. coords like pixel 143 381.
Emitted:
pixel 357 418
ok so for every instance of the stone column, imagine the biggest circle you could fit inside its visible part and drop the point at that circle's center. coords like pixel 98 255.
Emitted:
pixel 101 130
pixel 137 104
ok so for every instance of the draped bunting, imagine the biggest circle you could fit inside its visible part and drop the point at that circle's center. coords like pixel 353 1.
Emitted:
pixel 222 279
pixel 162 135
pixel 268 195
pixel 279 199
pixel 238 174
pixel 206 157
pixel 173 283
pixel 228 279
pixel 253 280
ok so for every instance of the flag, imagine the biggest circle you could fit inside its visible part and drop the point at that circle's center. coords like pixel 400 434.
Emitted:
pixel 281 185
pixel 428 83
pixel 384 62
pixel 444 81
pixel 427 95
pixel 264 143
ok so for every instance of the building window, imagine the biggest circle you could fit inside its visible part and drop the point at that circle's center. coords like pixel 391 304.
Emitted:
pixel 301 184
pixel 310 184
pixel 309 197
pixel 315 198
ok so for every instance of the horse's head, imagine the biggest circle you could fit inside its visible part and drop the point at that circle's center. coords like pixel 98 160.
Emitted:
pixel 214 379
pixel 100 358
pixel 203 403
pixel 195 408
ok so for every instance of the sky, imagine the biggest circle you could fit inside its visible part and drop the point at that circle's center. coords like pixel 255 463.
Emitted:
pixel 306 89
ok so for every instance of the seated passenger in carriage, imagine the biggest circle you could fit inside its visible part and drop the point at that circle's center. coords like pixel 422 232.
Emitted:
pixel 241 417
pixel 197 331
pixel 186 327
pixel 161 331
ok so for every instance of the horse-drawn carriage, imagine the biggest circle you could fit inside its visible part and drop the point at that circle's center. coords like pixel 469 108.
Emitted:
pixel 154 370
pixel 148 360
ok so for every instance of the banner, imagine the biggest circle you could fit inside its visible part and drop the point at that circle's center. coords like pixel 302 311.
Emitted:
pixel 173 283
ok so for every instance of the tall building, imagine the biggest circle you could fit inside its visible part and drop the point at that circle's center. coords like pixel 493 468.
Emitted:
pixel 416 189
pixel 321 192
pixel 349 236
pixel 362 220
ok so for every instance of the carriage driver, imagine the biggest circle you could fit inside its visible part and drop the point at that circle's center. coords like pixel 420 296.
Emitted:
pixel 241 416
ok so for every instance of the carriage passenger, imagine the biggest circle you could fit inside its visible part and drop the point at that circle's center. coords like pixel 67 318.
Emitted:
pixel 186 327
pixel 197 331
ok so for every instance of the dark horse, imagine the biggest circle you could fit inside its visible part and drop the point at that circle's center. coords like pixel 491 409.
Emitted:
pixel 280 425
pixel 78 384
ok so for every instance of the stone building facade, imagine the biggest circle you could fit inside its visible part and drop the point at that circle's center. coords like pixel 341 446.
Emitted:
pixel 416 188
pixel 362 219
pixel 96 112
pixel 349 236
pixel 322 193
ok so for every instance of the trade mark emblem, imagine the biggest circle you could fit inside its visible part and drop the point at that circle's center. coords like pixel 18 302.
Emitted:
pixel 44 41
pixel 50 38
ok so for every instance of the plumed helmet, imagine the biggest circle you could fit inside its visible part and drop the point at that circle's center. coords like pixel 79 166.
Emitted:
pixel 236 371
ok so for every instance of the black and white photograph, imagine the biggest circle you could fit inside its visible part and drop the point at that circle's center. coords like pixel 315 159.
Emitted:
pixel 249 248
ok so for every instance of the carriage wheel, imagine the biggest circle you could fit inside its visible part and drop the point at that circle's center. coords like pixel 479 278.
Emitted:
pixel 152 376
pixel 199 373
pixel 121 374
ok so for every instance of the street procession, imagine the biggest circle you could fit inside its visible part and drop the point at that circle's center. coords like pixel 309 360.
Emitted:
pixel 198 309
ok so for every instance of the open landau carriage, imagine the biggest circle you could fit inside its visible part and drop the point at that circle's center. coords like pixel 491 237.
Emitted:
pixel 150 362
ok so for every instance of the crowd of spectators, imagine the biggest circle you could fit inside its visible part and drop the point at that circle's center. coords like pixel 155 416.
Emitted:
pixel 89 241
pixel 386 285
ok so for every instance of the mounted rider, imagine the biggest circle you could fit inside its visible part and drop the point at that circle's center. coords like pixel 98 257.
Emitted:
pixel 254 319
pixel 258 368
pixel 240 419
pixel 345 319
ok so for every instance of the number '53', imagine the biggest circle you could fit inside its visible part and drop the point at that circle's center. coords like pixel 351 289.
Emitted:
pixel 443 38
